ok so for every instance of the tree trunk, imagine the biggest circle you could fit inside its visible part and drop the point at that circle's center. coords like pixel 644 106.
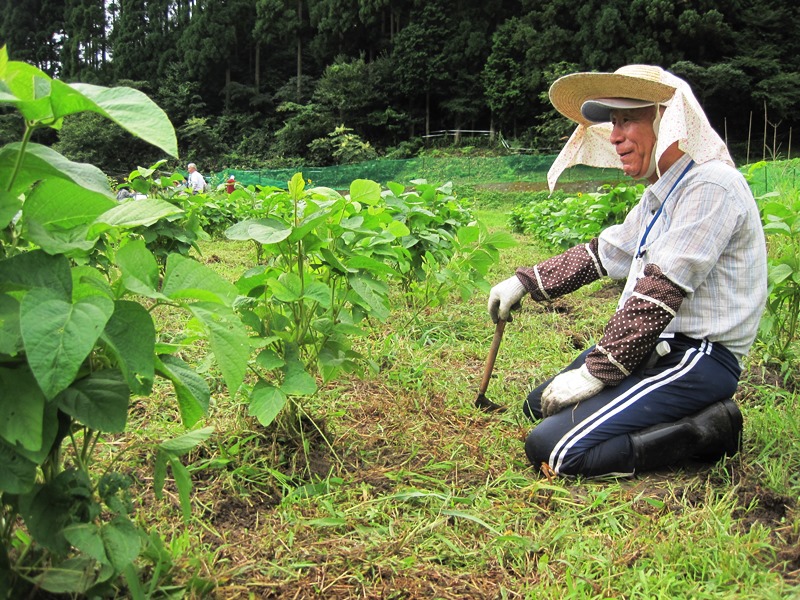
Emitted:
pixel 257 74
pixel 299 50
pixel 427 113
pixel 227 87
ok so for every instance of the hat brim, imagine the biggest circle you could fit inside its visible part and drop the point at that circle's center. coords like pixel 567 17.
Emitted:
pixel 569 93
pixel 599 111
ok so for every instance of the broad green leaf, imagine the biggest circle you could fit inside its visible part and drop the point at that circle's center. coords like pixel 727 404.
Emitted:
pixel 501 239
pixel 318 292
pixel 365 263
pixel 135 213
pixel 296 185
pixel 263 231
pixel 777 227
pixel 37 269
pixel 55 241
pixel 129 108
pixel 121 542
pixel 228 339
pixel 372 293
pixel 180 445
pixel 778 273
pixel 30 91
pixel 398 229
pixel 88 281
pixel 10 205
pixel 287 288
pixel 160 473
pixel 334 263
pixel 308 224
pixel 22 408
pixel 296 381
pixel 71 492
pixel 18 474
pixel 187 278
pixel 60 205
pixel 266 401
pixel 396 188
pixel 99 401
pixel 72 576
pixel 10 336
pixel 191 390
pixel 86 538
pixel 59 335
pixel 268 360
pixel 139 268
pixel 365 191
pixel 131 336
pixel 145 172
pixel 183 481
pixel 43 163
pixel 468 235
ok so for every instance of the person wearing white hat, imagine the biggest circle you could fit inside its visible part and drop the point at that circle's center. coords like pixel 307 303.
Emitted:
pixel 657 387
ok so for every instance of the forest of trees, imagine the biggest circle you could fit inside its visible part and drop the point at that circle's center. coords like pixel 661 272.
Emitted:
pixel 254 83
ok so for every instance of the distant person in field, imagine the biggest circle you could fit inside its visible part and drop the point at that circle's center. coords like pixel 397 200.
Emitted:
pixel 230 185
pixel 124 193
pixel 195 182
pixel 657 387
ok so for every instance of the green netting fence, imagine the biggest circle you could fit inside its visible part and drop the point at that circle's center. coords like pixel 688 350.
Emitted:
pixel 472 170
pixel 527 170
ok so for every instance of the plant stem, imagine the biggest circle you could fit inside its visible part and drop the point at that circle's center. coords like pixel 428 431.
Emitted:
pixel 26 137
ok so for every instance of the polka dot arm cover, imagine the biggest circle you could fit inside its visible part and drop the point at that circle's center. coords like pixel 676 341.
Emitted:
pixel 564 273
pixel 633 331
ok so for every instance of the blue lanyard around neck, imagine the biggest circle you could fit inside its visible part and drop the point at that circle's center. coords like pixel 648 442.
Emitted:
pixel 642 249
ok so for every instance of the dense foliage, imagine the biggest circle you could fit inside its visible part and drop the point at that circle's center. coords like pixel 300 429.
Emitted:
pixel 246 81
pixel 565 220
pixel 82 277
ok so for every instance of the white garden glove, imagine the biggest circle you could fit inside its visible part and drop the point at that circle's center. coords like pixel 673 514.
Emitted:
pixel 570 387
pixel 505 297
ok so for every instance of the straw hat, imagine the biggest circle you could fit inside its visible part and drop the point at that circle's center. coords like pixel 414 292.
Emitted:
pixel 643 83
pixel 587 99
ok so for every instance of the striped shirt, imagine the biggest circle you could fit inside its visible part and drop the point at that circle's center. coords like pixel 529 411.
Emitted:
pixel 709 242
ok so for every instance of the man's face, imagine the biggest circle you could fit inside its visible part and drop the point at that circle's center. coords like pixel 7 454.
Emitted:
pixel 633 138
pixel 192 169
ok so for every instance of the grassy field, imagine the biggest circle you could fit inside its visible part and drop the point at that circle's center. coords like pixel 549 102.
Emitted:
pixel 398 487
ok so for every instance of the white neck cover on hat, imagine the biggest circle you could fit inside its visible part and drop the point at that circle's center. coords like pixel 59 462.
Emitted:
pixel 683 121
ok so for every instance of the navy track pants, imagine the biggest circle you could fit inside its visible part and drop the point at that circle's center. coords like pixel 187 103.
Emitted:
pixel 591 438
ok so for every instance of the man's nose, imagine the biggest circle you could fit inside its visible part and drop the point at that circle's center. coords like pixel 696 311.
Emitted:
pixel 616 134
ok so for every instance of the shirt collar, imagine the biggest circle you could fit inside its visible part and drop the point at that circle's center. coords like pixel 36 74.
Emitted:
pixel 663 185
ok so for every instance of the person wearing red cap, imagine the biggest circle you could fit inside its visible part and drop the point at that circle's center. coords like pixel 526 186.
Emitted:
pixel 230 185
pixel 657 387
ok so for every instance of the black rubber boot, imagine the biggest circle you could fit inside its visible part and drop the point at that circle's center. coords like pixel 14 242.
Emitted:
pixel 708 435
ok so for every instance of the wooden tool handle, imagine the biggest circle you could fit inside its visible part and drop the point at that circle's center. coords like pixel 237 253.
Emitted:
pixel 487 370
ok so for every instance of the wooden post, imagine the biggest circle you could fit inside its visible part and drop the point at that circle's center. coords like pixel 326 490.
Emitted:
pixel 749 135
pixel 774 141
pixel 725 127
pixel 764 148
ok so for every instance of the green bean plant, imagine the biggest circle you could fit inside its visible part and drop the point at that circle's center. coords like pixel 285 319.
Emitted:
pixel 448 250
pixel 779 326
pixel 324 264
pixel 565 220
pixel 182 229
pixel 77 340
pixel 327 263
